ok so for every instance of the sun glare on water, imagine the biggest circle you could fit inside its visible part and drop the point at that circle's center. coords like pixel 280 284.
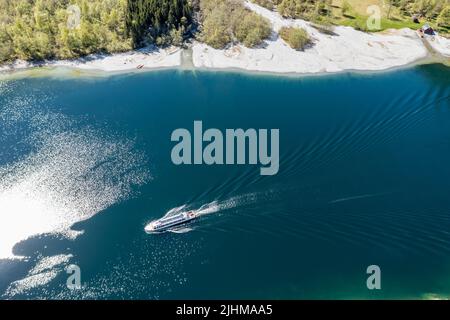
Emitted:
pixel 72 173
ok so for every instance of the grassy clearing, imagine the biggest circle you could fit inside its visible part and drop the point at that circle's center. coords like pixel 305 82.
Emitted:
pixel 359 22
pixel 357 16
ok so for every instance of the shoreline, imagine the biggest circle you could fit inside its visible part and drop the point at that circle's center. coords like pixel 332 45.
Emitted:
pixel 346 51
pixel 148 58
pixel 424 61
pixel 58 71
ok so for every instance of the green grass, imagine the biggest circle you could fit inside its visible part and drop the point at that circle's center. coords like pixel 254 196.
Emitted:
pixel 358 17
pixel 360 22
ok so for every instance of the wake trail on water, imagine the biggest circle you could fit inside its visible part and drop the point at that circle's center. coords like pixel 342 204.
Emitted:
pixel 214 207
pixel 357 197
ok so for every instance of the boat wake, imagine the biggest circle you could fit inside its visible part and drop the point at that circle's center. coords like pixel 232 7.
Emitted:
pixel 363 196
pixel 180 230
pixel 213 207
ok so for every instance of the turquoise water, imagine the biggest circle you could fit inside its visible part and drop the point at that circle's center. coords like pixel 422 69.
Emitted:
pixel 364 179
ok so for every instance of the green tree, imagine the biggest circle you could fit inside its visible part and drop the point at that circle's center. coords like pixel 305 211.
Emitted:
pixel 346 8
pixel 443 20
pixel 149 19
pixel 297 38
pixel 227 21
pixel 216 30
pixel 304 9
pixel 268 4
pixel 252 29
pixel 6 49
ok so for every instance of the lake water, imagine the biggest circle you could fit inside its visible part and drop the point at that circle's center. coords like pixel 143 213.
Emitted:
pixel 364 180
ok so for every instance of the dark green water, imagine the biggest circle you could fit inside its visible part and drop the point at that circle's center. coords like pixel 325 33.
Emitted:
pixel 364 179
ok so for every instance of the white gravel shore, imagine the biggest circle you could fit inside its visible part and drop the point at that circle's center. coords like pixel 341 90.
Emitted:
pixel 147 58
pixel 439 44
pixel 348 49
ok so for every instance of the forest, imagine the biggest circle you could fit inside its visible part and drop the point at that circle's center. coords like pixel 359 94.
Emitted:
pixel 62 29
pixel 163 22
pixel 44 29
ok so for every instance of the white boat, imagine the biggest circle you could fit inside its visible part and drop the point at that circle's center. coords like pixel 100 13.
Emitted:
pixel 166 223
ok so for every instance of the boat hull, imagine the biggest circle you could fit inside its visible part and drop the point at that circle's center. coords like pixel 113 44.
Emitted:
pixel 152 228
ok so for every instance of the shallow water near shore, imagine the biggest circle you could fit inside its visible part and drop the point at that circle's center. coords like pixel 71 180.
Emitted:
pixel 364 178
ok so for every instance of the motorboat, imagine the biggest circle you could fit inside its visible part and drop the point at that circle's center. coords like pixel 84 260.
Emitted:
pixel 167 223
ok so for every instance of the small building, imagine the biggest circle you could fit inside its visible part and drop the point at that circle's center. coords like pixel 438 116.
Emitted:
pixel 415 18
pixel 427 29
